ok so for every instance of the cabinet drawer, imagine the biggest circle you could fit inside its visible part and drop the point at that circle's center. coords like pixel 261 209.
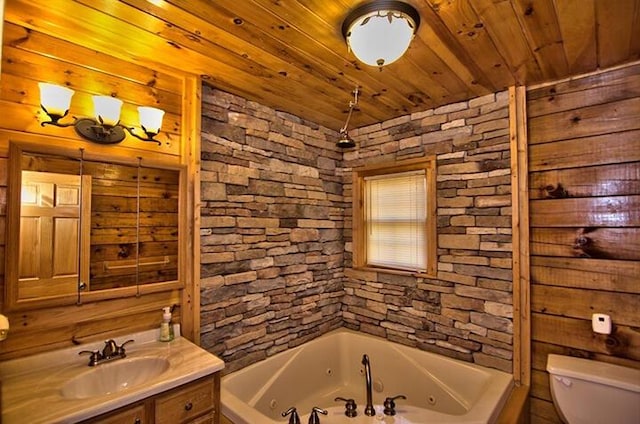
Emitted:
pixel 130 415
pixel 185 403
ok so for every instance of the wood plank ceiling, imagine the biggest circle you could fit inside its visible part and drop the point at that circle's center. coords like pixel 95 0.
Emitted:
pixel 290 54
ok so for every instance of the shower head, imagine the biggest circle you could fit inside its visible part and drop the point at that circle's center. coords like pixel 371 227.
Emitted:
pixel 345 141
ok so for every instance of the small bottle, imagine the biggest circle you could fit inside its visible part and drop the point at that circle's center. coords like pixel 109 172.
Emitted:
pixel 166 328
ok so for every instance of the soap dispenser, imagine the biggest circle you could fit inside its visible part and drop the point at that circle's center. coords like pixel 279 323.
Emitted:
pixel 166 328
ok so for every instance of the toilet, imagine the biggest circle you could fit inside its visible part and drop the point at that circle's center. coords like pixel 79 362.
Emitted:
pixel 593 392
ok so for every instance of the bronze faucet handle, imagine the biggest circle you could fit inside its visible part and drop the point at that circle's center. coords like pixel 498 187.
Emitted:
pixel 350 406
pixel 294 418
pixel 121 350
pixel 94 358
pixel 390 404
pixel 313 418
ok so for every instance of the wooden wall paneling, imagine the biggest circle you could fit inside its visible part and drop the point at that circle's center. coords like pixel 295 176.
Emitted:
pixel 580 303
pixel 583 196
pixel 577 333
pixel 603 87
pixel 612 211
pixel 619 276
pixel 586 151
pixel 25 59
pixel 35 331
pixel 605 180
pixel 520 235
pixel 31 54
pixel 614 117
pixel 541 351
pixel 586 242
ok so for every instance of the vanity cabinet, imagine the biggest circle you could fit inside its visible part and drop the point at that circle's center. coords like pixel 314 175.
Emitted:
pixel 197 402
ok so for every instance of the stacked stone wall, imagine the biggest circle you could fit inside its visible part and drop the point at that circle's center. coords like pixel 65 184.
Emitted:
pixel 276 232
pixel 466 310
pixel 271 230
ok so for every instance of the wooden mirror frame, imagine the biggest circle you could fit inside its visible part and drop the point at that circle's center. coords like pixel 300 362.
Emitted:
pixel 16 150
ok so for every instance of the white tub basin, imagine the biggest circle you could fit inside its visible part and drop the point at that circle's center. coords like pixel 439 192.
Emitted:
pixel 114 377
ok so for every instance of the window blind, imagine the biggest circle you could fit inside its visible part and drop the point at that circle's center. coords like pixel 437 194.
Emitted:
pixel 395 220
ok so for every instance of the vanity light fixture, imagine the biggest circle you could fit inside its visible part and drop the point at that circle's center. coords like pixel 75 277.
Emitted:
pixel 379 33
pixel 345 141
pixel 105 128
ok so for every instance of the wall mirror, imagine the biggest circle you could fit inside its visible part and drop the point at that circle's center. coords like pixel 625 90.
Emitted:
pixel 85 228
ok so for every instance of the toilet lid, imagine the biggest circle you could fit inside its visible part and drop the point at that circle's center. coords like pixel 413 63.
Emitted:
pixel 596 371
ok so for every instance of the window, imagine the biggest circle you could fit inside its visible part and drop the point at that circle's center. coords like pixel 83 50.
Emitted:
pixel 394 217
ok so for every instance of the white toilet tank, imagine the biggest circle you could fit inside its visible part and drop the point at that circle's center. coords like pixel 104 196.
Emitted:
pixel 593 392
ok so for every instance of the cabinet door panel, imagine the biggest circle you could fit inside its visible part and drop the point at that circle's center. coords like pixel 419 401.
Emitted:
pixel 132 415
pixel 182 405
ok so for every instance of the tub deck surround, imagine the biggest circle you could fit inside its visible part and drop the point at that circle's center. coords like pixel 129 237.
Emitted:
pixel 438 389
pixel 31 386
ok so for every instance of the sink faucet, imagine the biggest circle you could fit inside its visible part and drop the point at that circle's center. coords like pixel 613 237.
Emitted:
pixel 368 409
pixel 109 352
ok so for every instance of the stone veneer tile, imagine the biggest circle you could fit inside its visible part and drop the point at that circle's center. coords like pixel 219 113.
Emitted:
pixel 276 243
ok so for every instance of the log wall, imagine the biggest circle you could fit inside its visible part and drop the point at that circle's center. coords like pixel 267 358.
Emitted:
pixel 29 57
pixel 584 194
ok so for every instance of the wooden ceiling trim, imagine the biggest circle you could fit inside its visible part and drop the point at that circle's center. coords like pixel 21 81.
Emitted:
pixel 577 21
pixel 540 26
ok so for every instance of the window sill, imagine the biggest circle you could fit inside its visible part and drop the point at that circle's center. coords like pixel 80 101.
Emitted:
pixel 415 274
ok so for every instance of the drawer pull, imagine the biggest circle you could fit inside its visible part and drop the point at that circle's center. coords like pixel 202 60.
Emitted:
pixel 137 421
pixel 188 406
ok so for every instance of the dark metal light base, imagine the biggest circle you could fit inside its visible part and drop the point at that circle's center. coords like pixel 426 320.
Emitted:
pixel 91 130
pixel 397 6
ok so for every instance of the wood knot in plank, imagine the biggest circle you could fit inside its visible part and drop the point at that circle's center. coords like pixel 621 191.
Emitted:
pixel 555 191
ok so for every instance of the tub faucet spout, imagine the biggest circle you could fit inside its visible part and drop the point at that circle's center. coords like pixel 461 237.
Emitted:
pixel 368 409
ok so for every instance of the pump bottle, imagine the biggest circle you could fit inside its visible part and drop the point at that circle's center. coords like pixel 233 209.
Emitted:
pixel 166 327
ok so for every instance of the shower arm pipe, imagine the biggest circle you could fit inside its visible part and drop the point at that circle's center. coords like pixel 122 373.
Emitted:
pixel 352 104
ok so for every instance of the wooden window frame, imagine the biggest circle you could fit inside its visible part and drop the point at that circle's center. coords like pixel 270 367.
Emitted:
pixel 428 164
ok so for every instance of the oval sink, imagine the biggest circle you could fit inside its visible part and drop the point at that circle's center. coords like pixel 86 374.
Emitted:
pixel 114 377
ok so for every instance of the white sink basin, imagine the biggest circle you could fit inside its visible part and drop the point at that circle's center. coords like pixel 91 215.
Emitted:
pixel 114 376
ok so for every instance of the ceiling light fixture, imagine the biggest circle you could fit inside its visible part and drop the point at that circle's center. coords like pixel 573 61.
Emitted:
pixel 345 141
pixel 105 128
pixel 379 33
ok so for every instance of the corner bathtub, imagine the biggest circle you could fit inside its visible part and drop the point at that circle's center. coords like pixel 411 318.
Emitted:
pixel 438 389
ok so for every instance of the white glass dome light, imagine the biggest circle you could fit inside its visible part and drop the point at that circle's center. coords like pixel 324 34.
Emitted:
pixel 379 33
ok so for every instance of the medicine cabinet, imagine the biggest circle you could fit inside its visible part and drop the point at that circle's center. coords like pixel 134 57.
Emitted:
pixel 83 226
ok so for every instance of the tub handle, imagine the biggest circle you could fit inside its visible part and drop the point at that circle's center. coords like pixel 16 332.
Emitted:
pixel 350 407
pixel 390 404
pixel 313 418
pixel 294 418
